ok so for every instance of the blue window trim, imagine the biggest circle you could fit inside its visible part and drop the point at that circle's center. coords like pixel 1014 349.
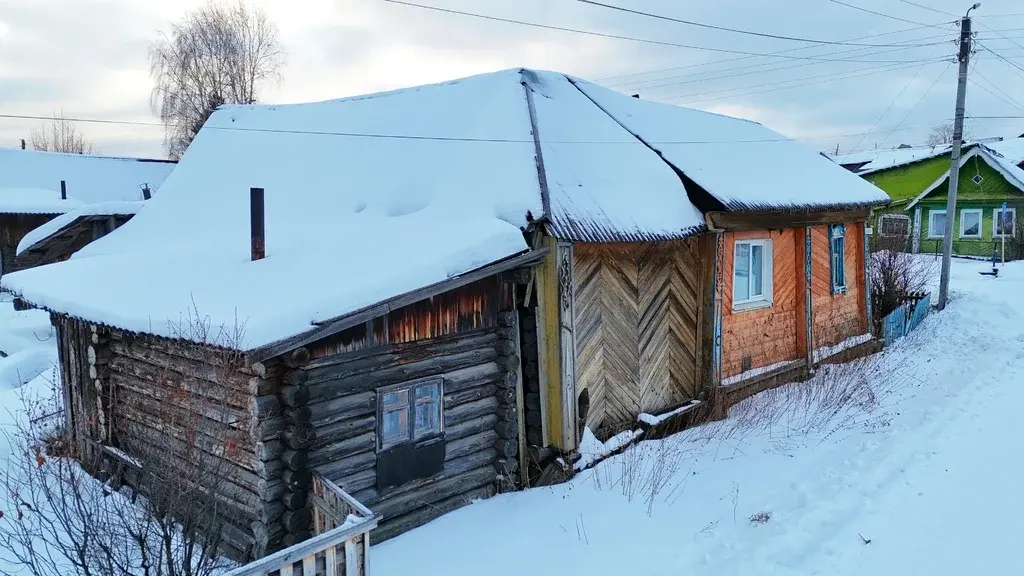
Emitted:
pixel 836 231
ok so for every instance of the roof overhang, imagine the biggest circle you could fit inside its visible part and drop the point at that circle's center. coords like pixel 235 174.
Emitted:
pixel 778 220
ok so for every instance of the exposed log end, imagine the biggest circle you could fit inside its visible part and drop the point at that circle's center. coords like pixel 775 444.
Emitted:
pixel 298 358
pixel 297 521
pixel 295 395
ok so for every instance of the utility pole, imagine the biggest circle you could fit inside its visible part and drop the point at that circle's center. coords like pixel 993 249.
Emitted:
pixel 964 56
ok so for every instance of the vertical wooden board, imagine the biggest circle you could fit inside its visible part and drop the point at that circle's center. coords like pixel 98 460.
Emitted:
pixel 566 322
pixel 549 347
pixel 331 562
pixel 287 570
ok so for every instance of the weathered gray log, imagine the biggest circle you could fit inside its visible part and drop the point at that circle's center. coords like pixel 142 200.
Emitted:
pixel 452 469
pixel 506 466
pixel 506 448
pixel 266 406
pixel 348 466
pixel 296 479
pixel 259 386
pixel 272 490
pixel 296 521
pixel 269 450
pixel 299 415
pixel 507 428
pixel 267 533
pixel 295 500
pixel 506 396
pixel 434 492
pixel 271 511
pixel 470 410
pixel 160 399
pixel 465 378
pixel 532 400
pixel 368 359
pixel 298 358
pixel 208 369
pixel 470 395
pixel 241 540
pixel 533 436
pixel 533 418
pixel 270 430
pixel 291 539
pixel 298 438
pixel 295 395
pixel 404 523
pixel 508 362
pixel 358 481
pixel 342 430
pixel 269 469
pixel 507 318
pixel 470 427
pixel 327 388
pixel 509 380
pixel 295 459
pixel 342 408
pixel 478 442
pixel 351 446
pixel 505 348
pixel 507 333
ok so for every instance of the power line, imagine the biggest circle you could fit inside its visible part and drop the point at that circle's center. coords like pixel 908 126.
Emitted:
pixel 1008 101
pixel 919 100
pixel 786 51
pixel 726 29
pixel 883 15
pixel 937 11
pixel 601 34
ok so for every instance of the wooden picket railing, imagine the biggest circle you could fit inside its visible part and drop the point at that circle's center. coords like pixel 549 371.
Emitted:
pixel 340 545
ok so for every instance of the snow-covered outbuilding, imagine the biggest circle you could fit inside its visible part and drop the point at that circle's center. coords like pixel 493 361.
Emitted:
pixel 431 287
pixel 36 187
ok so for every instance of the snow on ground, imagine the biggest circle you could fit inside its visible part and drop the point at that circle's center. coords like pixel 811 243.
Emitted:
pixel 901 464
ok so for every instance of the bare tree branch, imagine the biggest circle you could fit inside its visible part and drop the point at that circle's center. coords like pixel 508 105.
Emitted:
pixel 59 135
pixel 941 135
pixel 222 53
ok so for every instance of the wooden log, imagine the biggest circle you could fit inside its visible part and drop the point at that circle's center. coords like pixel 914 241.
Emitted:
pixel 506 396
pixel 269 450
pixel 296 479
pixel 465 446
pixel 358 481
pixel 470 410
pixel 349 447
pixel 507 428
pixel 267 533
pixel 295 500
pixel 241 540
pixel 327 387
pixel 269 469
pixel 297 521
pixel 406 522
pixel 269 430
pixel 271 511
pixel 470 427
pixel 345 429
pixel 533 418
pixel 465 378
pixel 300 416
pixel 207 369
pixel 506 466
pixel 262 386
pixel 507 318
pixel 508 333
pixel 298 358
pixel 506 448
pixel 234 411
pixel 295 395
pixel 505 347
pixel 452 468
pixel 295 459
pixel 291 539
pixel 532 400
pixel 342 407
pixel 454 399
pixel 368 359
pixel 271 490
pixel 348 466
pixel 509 380
pixel 266 406
pixel 508 362
pixel 434 492
pixel 298 438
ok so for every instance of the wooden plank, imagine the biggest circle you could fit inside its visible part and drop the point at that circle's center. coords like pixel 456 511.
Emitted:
pixel 331 561
pixel 738 221
pixel 548 345
pixel 335 325
pixel 309 565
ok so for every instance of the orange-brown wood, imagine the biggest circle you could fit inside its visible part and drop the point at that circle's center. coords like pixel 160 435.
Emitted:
pixel 840 316
pixel 765 335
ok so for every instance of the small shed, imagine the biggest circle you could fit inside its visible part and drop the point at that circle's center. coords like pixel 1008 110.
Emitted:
pixel 21 211
pixel 59 238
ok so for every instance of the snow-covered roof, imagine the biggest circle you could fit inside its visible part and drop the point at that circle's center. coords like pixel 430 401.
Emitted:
pixel 371 197
pixel 878 160
pixel 1006 167
pixel 60 222
pixel 744 165
pixel 88 178
pixel 1012 149
pixel 35 201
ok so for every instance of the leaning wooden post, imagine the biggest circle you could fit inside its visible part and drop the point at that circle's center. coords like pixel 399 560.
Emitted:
pixel 257 223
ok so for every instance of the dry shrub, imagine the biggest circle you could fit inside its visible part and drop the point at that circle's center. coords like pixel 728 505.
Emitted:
pixel 895 275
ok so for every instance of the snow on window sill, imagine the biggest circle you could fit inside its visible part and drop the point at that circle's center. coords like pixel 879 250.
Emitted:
pixel 751 305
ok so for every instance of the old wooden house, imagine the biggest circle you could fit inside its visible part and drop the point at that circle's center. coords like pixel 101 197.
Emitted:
pixel 59 238
pixel 40 186
pixel 413 294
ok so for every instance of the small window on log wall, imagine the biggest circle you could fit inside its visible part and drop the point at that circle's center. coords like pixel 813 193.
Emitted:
pixel 410 431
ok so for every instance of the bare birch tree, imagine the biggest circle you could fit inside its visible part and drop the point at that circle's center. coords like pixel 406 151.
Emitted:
pixel 221 53
pixel 941 135
pixel 59 135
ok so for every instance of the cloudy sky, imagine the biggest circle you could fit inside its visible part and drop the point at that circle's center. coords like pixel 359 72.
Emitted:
pixel 87 58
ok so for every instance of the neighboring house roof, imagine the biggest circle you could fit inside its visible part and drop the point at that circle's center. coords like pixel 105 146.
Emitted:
pixel 71 218
pixel 35 201
pixel 88 178
pixel 1006 168
pixel 372 197
pixel 1012 150
pixel 871 161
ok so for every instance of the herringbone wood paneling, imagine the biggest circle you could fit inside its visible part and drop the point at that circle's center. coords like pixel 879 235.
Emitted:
pixel 635 327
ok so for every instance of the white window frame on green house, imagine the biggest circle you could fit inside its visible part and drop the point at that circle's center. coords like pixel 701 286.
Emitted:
pixel 981 219
pixel 995 222
pixel 931 223
pixel 881 225
pixel 765 297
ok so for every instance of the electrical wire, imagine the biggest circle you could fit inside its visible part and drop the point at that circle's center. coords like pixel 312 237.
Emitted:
pixel 889 16
pixel 727 29
pixel 605 35
pixel 918 103
pixel 937 11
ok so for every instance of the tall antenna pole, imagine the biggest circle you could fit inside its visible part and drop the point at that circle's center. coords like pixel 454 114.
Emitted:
pixel 954 166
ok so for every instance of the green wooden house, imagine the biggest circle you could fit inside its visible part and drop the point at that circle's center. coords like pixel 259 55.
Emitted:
pixel 917 180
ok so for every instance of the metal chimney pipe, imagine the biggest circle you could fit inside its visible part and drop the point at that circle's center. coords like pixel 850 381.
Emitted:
pixel 146 194
pixel 256 222
pixel 63 190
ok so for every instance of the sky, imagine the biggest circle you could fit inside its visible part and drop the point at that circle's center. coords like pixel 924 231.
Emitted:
pixel 88 59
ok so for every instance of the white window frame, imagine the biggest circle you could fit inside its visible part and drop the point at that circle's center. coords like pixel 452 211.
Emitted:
pixel 881 225
pixel 931 226
pixel 412 436
pixel 832 237
pixel 766 297
pixel 995 220
pixel 981 222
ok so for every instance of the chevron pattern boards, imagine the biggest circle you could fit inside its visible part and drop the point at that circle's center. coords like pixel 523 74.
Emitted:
pixel 635 328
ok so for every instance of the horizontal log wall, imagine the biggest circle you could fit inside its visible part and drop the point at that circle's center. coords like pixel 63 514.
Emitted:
pixel 480 420
pixel 14 227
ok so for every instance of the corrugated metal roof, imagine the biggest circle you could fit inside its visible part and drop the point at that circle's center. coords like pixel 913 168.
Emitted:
pixel 567 228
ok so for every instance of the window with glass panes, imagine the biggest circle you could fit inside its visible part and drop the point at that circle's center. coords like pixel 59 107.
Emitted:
pixel 837 249
pixel 409 412
pixel 750 266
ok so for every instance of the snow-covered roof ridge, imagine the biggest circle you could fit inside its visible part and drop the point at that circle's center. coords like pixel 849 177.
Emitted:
pixel 35 201
pixel 116 208
pixel 89 178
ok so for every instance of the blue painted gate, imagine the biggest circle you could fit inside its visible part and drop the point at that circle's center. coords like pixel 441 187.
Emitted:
pixel 905 319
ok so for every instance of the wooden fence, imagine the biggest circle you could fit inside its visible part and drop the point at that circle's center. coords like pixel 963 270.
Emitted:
pixel 340 545
pixel 904 319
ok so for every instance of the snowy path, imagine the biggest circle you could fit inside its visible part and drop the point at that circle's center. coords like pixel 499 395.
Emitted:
pixel 931 477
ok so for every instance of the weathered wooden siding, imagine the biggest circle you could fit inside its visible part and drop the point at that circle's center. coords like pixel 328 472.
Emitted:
pixel 69 240
pixel 480 420
pixel 637 337
pixel 840 316
pixel 14 227
pixel 768 335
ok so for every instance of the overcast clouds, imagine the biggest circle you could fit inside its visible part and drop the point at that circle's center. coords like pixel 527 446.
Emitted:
pixel 88 58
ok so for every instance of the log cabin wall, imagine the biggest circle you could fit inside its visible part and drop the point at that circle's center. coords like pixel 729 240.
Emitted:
pixel 14 227
pixel 465 341
pixel 638 340
pixel 769 334
pixel 188 407
pixel 836 317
